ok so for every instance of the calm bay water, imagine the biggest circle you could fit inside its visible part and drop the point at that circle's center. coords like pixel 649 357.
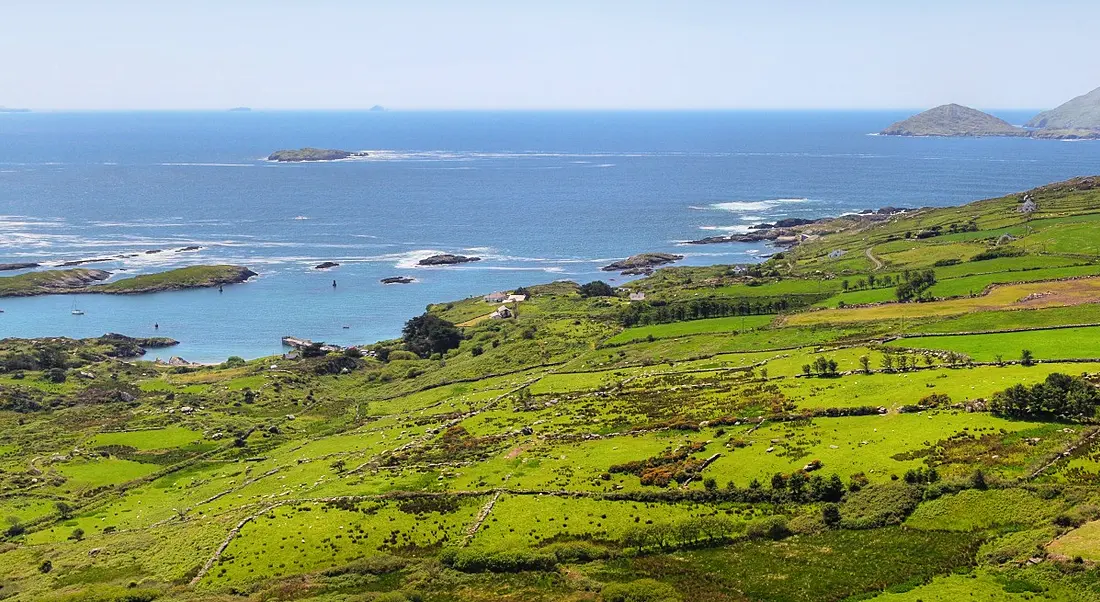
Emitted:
pixel 539 195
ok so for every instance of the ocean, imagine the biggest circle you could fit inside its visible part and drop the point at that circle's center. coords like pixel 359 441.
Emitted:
pixel 540 196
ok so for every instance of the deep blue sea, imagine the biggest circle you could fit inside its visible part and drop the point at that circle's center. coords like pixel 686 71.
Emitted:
pixel 539 195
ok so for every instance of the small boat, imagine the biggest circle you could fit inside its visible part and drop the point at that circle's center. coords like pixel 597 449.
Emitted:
pixel 346 327
pixel 76 311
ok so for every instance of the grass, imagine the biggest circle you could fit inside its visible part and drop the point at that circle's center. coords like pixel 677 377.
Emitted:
pixel 180 278
pixel 1084 541
pixel 1064 343
pixel 148 439
pixel 732 325
pixel 1047 294
pixel 828 566
pixel 974 510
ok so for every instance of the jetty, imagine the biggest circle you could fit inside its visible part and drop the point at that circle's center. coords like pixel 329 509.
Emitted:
pixel 298 343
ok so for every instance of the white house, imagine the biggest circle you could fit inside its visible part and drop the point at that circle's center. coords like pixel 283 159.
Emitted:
pixel 637 296
pixel 516 298
pixel 501 313
pixel 497 297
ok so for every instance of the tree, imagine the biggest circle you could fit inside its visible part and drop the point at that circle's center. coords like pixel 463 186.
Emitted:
pixel 887 362
pixel 779 482
pixel 597 288
pixel 77 535
pixel 830 515
pixel 427 334
pixel 64 510
pixel 1027 358
pixel 916 285
pixel 903 363
pixel 865 363
pixel 844 285
pixel 977 480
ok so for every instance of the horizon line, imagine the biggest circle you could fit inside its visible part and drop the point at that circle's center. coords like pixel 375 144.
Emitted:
pixel 247 109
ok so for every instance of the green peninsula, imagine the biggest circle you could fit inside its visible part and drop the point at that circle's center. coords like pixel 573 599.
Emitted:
pixel 83 280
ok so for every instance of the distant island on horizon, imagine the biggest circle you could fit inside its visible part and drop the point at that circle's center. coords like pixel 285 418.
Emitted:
pixel 1077 119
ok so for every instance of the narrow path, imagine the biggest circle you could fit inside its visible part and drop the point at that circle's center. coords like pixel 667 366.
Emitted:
pixel 875 260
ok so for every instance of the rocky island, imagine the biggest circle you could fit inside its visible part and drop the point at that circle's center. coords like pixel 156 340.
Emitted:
pixel 397 280
pixel 446 259
pixel 326 265
pixel 312 154
pixel 1078 119
pixel 641 264
pixel 82 280
pixel 953 120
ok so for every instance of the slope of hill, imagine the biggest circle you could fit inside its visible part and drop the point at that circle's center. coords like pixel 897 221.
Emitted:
pixel 1082 112
pixel 953 120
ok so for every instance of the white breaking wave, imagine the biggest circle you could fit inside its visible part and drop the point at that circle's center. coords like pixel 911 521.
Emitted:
pixel 738 229
pixel 755 205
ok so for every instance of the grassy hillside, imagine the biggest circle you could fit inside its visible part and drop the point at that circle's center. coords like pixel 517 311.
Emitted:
pixel 790 431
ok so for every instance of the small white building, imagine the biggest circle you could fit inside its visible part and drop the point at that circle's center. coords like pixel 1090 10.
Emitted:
pixel 637 296
pixel 497 297
pixel 516 298
pixel 1028 206
pixel 501 313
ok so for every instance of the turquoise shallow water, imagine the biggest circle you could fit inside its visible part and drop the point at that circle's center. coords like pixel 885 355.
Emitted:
pixel 538 195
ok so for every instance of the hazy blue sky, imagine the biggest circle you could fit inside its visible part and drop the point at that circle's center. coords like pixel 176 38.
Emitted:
pixel 413 54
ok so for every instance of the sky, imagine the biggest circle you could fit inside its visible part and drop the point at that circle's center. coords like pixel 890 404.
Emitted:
pixel 560 54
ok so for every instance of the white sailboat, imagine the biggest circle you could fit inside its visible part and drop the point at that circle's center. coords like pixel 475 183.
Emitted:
pixel 76 311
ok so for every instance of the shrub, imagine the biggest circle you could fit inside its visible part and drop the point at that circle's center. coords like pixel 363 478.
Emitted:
pixel 577 551
pixel 879 505
pixel 769 527
pixel 234 361
pixel 502 561
pixel 996 252
pixel 642 590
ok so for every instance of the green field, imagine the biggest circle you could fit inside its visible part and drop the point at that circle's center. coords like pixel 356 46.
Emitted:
pixel 1063 343
pixel 894 452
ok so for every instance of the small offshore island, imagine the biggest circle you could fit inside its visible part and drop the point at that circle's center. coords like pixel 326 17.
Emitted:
pixel 1078 119
pixel 307 154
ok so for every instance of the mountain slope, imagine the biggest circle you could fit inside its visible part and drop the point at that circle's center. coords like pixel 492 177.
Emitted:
pixel 1082 112
pixel 953 120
